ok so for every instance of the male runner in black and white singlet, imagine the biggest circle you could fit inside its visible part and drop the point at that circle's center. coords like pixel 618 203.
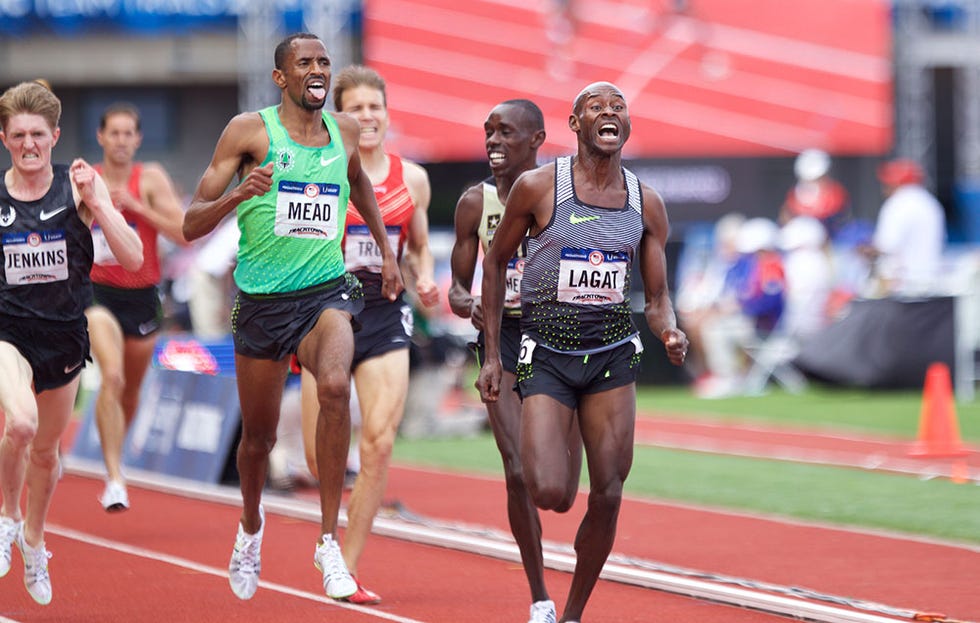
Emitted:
pixel 587 219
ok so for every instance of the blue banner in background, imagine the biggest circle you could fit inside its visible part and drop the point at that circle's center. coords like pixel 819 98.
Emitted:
pixel 188 418
pixel 186 426
pixel 79 17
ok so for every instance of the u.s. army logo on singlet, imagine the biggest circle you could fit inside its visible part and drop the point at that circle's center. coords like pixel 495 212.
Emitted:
pixel 284 160
pixel 493 220
pixel 7 218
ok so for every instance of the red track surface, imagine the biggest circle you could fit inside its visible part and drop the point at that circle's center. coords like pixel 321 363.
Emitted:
pixel 95 581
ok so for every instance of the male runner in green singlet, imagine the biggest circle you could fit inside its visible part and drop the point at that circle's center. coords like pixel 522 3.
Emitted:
pixel 298 166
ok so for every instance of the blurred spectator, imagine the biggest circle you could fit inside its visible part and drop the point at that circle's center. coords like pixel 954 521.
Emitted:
pixel 816 193
pixel 809 277
pixel 910 233
pixel 210 283
pixel 701 294
pixel 852 266
pixel 753 299
pixel 757 278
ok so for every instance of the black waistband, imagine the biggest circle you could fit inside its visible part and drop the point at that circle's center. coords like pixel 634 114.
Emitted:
pixel 295 294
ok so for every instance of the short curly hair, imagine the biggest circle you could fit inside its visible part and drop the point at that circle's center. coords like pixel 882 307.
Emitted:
pixel 32 98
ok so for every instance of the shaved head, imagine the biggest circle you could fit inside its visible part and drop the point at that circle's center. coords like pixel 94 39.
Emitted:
pixel 593 89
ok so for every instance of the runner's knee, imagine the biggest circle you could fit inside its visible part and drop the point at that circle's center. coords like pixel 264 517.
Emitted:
pixel 332 388
pixel 113 382
pixel 20 431
pixel 45 457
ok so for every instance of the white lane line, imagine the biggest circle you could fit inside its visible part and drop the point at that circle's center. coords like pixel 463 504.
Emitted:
pixel 837 458
pixel 176 561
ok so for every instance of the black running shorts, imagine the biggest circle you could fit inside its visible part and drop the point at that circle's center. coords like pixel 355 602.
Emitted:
pixel 139 311
pixel 567 378
pixel 271 326
pixel 385 326
pixel 510 342
pixel 56 351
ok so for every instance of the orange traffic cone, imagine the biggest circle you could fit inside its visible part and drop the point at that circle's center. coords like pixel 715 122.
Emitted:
pixel 939 431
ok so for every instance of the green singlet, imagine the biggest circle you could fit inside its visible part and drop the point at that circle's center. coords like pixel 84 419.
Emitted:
pixel 290 237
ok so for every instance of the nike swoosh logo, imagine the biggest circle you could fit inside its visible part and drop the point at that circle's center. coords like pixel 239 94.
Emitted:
pixel 325 163
pixel 45 215
pixel 575 220
pixel 70 369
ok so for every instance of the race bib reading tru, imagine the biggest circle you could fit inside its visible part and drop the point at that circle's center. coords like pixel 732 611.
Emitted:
pixel 103 255
pixel 512 286
pixel 35 257
pixel 307 210
pixel 592 276
pixel 361 252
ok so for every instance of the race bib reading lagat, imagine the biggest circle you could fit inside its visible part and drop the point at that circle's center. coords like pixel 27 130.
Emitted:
pixel 307 210
pixel 361 252
pixel 592 276
pixel 35 257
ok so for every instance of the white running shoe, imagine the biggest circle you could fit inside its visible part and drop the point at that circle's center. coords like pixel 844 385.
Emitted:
pixel 246 561
pixel 337 580
pixel 114 498
pixel 9 533
pixel 543 612
pixel 36 577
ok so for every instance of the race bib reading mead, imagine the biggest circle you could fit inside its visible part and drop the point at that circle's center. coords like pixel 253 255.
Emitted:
pixel 307 210
pixel 35 257
pixel 592 276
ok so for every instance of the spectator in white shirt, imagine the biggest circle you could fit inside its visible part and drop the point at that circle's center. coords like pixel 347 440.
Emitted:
pixel 910 232
pixel 809 276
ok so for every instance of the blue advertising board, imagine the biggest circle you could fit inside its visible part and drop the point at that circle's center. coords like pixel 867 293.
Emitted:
pixel 188 420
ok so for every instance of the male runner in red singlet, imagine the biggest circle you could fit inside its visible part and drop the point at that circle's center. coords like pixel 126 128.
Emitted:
pixel 127 311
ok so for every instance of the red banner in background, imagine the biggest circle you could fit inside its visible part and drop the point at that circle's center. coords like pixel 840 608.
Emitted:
pixel 701 77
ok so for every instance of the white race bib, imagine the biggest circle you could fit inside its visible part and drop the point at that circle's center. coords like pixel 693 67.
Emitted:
pixel 35 257
pixel 527 349
pixel 361 252
pixel 512 289
pixel 100 245
pixel 307 210
pixel 592 276
pixel 637 344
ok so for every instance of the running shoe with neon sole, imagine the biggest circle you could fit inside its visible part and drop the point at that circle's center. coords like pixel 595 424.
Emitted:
pixel 36 577
pixel 246 560
pixel 543 612
pixel 114 498
pixel 9 534
pixel 337 580
pixel 363 596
